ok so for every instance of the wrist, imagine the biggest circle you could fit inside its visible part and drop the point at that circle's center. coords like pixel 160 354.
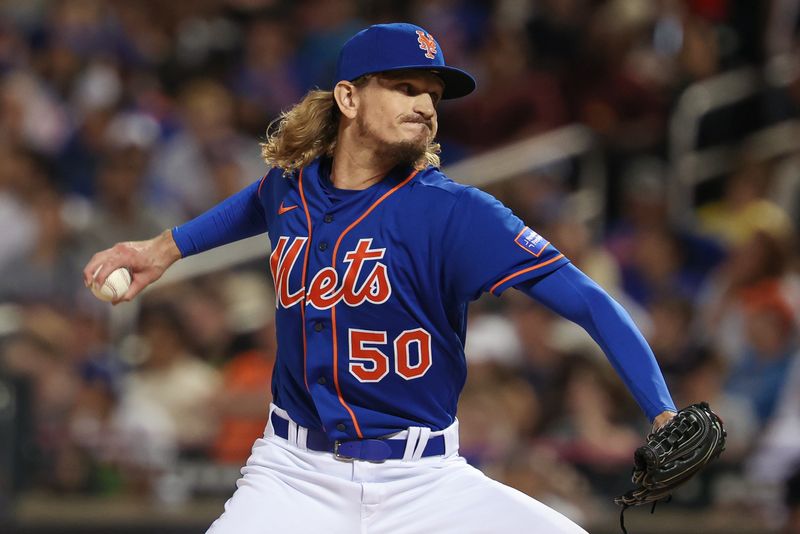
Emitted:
pixel 167 249
pixel 662 419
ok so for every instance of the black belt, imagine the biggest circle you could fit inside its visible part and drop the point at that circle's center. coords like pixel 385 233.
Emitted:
pixel 370 450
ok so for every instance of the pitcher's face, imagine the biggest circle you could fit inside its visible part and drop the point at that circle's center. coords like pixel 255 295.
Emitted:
pixel 397 113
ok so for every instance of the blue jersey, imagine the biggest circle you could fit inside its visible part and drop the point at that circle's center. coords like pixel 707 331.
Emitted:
pixel 372 289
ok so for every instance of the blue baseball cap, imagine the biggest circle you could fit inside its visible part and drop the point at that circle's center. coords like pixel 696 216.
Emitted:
pixel 400 46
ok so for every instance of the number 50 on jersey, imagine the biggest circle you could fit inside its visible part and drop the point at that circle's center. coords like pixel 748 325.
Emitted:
pixel 411 353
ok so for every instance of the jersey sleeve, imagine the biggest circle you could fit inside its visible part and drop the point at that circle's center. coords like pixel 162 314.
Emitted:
pixel 239 216
pixel 489 249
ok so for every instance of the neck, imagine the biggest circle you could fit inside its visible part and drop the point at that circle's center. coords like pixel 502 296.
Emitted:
pixel 356 166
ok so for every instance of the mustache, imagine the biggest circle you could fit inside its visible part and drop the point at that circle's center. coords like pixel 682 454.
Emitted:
pixel 418 119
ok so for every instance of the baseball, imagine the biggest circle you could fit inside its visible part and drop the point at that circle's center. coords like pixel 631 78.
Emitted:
pixel 115 286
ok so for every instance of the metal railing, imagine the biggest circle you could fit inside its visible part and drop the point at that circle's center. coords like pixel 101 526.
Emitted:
pixel 691 166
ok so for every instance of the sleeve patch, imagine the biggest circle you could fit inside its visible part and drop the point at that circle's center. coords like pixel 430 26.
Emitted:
pixel 531 242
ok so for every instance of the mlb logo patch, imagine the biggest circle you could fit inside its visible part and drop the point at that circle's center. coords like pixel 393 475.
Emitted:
pixel 531 241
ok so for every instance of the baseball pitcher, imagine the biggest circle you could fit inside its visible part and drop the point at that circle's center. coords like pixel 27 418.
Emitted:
pixel 375 257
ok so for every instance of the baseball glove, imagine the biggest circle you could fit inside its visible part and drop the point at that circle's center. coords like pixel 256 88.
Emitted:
pixel 673 454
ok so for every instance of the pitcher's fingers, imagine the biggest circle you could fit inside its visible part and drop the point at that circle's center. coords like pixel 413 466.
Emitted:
pixel 92 273
pixel 109 260
pixel 138 283
pixel 108 266
pixel 90 269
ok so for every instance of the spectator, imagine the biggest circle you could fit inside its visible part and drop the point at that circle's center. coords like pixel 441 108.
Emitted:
pixel 492 337
pixel 120 213
pixel 168 397
pixel 96 443
pixel 590 432
pixel 30 116
pixel 18 171
pixel 555 32
pixel 240 404
pixel 326 26
pixel 617 102
pixel 541 357
pixel 37 362
pixel 268 78
pixel 657 268
pixel 770 347
pixel 515 102
pixel 764 259
pixel 671 336
pixel 776 454
pixel 245 394
pixel 207 140
pixel 206 312
pixel 492 389
pixel 656 258
pixel 744 209
pixel 76 165
pixel 50 271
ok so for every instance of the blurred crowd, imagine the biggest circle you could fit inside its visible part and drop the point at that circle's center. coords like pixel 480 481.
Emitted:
pixel 119 119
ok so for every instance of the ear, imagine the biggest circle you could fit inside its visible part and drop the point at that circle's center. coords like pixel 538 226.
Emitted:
pixel 346 96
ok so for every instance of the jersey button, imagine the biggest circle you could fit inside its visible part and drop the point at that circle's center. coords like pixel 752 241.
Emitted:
pixel 321 381
pixel 318 327
pixel 328 218
pixel 323 246
pixel 340 427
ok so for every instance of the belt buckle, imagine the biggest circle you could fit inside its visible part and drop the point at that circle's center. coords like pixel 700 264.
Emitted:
pixel 339 456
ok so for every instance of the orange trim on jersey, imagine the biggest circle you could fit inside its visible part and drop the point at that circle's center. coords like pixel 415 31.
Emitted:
pixel 333 309
pixel 260 185
pixel 526 270
pixel 303 275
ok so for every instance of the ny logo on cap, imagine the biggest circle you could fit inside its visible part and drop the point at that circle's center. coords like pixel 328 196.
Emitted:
pixel 427 43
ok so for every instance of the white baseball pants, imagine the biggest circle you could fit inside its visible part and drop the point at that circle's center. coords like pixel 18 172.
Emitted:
pixel 288 489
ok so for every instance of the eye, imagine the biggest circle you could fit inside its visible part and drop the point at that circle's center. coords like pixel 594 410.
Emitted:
pixel 406 88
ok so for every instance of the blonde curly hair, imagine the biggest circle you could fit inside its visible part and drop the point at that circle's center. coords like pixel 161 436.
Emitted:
pixel 309 130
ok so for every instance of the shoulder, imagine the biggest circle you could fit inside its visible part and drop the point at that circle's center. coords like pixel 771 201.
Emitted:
pixel 275 179
pixel 466 194
pixel 450 205
pixel 433 186
pixel 434 182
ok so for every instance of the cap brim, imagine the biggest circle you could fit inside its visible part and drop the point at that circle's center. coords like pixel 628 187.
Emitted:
pixel 457 83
